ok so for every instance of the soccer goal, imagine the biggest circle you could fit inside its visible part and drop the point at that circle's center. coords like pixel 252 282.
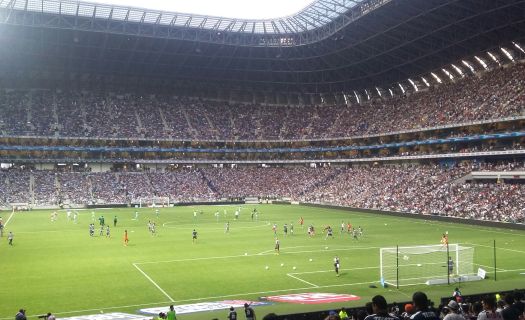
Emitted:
pixel 154 202
pixel 426 264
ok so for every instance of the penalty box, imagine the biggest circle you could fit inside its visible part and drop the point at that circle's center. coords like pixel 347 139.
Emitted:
pixel 227 275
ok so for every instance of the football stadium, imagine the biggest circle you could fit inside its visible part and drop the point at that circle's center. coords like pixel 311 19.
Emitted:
pixel 301 159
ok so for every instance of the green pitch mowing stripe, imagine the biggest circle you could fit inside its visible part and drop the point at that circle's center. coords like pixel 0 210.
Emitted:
pixel 58 267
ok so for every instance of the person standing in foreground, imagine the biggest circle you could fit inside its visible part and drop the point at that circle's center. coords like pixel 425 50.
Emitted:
pixel 21 315
pixel 171 314
pixel 489 309
pixel 248 311
pixel 454 312
pixel 343 314
pixel 380 309
pixel 421 304
pixel 277 246
pixel 232 315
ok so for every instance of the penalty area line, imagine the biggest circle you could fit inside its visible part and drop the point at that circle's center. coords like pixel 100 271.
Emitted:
pixel 154 283
pixel 9 219
pixel 235 295
pixel 297 278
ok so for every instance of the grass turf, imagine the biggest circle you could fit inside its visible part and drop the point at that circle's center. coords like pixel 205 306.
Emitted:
pixel 58 267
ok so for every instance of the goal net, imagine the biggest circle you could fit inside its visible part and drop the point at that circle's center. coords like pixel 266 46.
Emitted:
pixel 425 264
pixel 154 202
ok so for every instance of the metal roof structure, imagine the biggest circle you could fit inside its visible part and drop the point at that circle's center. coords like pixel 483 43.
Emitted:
pixel 330 46
pixel 102 17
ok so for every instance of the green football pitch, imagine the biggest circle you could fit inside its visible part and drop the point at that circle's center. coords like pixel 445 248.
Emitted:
pixel 58 267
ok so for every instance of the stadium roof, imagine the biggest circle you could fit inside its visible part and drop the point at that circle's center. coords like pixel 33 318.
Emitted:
pixel 315 15
pixel 240 9
pixel 330 46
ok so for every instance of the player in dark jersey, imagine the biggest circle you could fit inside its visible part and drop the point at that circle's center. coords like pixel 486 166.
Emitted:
pixel 194 236
pixel 248 311
pixel 336 265
pixel 380 309
pixel 233 314
pixel 285 229
pixel 277 246
pixel 423 312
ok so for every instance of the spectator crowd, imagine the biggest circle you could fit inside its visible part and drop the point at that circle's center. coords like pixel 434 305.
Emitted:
pixel 496 94
pixel 418 189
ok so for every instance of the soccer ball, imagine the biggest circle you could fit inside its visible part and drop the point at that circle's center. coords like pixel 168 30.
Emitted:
pixel 246 253
pixel 294 268
pixel 405 258
pixel 311 259
pixel 267 267
pixel 326 248
pixel 419 264
pixel 446 232
pixel 282 264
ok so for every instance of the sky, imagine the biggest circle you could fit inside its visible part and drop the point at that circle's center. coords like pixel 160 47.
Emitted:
pixel 246 9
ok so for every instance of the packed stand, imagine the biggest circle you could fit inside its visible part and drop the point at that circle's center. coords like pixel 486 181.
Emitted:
pixel 14 186
pixel 265 182
pixel 182 186
pixel 495 94
pixel 418 189
pixel 75 187
pixel 106 188
pixel 44 188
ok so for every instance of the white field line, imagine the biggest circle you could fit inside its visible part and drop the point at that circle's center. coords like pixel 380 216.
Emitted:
pixel 450 224
pixel 249 255
pixel 498 248
pixel 240 295
pixel 297 278
pixel 154 283
pixel 214 227
pixel 9 219
pixel 489 267
pixel 321 271
pixel 470 227
pixel 514 270
pixel 295 247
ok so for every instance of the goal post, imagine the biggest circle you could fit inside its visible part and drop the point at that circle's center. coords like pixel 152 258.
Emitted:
pixel 154 202
pixel 426 264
